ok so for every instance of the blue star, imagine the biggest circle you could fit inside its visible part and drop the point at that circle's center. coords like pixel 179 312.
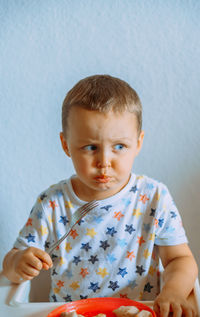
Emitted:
pixel 170 229
pixel 43 196
pixel 106 207
pixel 132 284
pixel 59 235
pixel 68 273
pixel 63 219
pixel 150 186
pixel 147 227
pixel 173 214
pixel 164 192
pixel 134 189
pixel 111 258
pixel 148 287
pixel 67 298
pixel 126 202
pixel 86 246
pixel 113 285
pixel 160 222
pixel 122 272
pixel 153 211
pixel 76 260
pixel 94 286
pixel 98 219
pixel 59 193
pixel 104 244
pixel 30 238
pixel 83 297
pixel 122 242
pixel 93 259
pixel 129 229
pixel 111 231
pixel 39 214
pixel 54 298
pixel 140 269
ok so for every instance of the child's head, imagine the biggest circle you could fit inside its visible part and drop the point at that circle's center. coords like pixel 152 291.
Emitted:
pixel 102 120
pixel 102 93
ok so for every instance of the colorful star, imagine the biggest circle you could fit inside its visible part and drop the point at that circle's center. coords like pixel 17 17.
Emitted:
pixel 75 285
pixel 143 198
pixel 29 222
pixel 122 242
pixel 129 229
pixel 67 298
pixel 139 269
pixel 130 255
pixel 122 272
pixel 73 234
pixel 118 215
pixel 52 204
pixel 146 254
pixel 102 272
pixel 68 247
pixel 86 246
pixel 62 261
pixel 60 284
pixel 137 213
pixel 113 285
pixel 140 240
pixel 106 207
pixel 132 284
pixel 94 287
pixel 111 231
pixel 153 211
pixel 43 230
pixel 63 219
pixel 68 204
pixel 84 272
pixel 91 232
pixel 134 189
pixel 93 259
pixel 104 244
pixel 76 260
pixel 148 287
pixel 30 238
pixel 111 258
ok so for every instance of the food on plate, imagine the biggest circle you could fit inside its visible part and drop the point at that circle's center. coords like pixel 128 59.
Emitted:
pixel 122 311
pixel 130 311
pixel 70 314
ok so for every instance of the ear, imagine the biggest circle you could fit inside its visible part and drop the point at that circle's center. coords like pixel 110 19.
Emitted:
pixel 64 144
pixel 140 141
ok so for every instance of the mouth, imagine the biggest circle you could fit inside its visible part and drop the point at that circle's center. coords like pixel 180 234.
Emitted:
pixel 102 178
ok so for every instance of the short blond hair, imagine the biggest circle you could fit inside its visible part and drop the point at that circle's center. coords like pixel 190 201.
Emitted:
pixel 102 93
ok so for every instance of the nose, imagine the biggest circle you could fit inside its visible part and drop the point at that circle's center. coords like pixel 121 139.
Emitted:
pixel 103 159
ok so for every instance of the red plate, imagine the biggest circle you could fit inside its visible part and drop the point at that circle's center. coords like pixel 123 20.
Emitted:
pixel 93 306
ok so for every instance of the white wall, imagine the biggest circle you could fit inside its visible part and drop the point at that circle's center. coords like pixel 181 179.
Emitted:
pixel 47 46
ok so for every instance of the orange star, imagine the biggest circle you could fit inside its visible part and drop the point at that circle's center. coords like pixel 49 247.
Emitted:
pixel 143 198
pixel 118 215
pixel 74 234
pixel 130 255
pixel 140 240
pixel 29 222
pixel 52 204
pixel 60 284
pixel 123 295
pixel 156 223
pixel 84 272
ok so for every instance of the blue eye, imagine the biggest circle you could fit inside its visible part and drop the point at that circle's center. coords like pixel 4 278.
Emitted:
pixel 119 147
pixel 90 147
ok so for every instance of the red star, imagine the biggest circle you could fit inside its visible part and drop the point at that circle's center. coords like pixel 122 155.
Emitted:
pixel 143 198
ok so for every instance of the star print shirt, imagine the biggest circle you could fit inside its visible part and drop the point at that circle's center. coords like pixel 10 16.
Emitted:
pixel 113 251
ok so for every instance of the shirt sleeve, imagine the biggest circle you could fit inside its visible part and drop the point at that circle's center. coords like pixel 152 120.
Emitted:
pixel 36 230
pixel 168 222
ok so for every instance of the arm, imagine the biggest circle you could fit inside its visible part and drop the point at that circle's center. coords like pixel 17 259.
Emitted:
pixel 180 273
pixel 19 265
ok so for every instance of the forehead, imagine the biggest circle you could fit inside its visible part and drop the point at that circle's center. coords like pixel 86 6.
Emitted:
pixel 85 123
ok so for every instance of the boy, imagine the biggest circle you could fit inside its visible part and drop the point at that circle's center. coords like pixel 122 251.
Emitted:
pixel 114 251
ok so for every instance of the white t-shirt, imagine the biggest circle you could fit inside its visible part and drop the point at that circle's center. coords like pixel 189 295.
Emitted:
pixel 113 251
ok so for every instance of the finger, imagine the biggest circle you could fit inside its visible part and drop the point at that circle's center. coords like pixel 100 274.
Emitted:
pixel 176 309
pixel 45 266
pixel 29 270
pixel 164 309
pixel 43 256
pixel 189 312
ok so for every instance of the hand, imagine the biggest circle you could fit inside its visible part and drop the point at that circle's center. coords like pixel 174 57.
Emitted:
pixel 170 302
pixel 28 263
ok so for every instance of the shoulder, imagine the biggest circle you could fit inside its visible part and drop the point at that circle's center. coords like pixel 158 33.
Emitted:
pixel 146 183
pixel 54 192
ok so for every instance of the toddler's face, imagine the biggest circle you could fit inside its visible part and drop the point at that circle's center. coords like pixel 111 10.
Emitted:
pixel 103 148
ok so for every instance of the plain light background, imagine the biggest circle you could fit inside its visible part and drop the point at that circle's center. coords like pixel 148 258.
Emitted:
pixel 47 46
